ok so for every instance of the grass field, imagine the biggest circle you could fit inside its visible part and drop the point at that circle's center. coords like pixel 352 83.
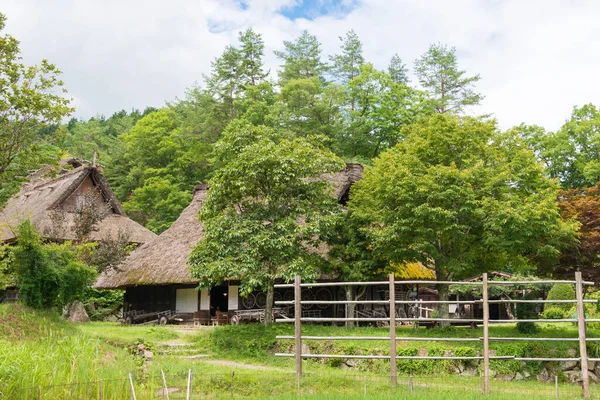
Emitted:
pixel 41 352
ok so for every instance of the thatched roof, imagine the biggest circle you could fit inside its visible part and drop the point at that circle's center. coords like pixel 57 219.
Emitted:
pixel 45 200
pixel 165 260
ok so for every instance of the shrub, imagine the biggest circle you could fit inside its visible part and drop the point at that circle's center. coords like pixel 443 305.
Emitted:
pixel 524 311
pixel 562 291
pixel 554 312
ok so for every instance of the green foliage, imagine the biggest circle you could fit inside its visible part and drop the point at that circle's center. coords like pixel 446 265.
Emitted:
pixel 461 195
pixel 30 97
pixel 397 70
pixel 100 304
pixel 527 311
pixel 562 291
pixel 554 312
pixel 265 185
pixel 346 66
pixel 301 59
pixel 49 276
pixel 7 273
pixel 571 153
pixel 438 73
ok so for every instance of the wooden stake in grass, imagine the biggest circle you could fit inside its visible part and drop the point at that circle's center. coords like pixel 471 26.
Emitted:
pixel 556 385
pixel 101 391
pixel 131 387
pixel 189 386
pixel 410 384
pixel 165 389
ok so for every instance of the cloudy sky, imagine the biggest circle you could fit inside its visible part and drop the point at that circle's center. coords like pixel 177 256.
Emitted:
pixel 537 59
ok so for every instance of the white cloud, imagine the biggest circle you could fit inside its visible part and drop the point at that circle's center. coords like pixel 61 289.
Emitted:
pixel 537 59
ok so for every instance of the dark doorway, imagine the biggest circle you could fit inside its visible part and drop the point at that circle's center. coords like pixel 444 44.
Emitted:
pixel 494 311
pixel 218 299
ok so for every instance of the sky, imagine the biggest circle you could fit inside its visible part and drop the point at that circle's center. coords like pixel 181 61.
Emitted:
pixel 536 59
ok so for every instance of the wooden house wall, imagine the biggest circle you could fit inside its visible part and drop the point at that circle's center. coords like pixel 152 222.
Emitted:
pixel 87 189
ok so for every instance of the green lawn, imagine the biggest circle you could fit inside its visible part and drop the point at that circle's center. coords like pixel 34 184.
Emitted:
pixel 39 349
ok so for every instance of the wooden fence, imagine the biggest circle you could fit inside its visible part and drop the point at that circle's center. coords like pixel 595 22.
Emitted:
pixel 485 321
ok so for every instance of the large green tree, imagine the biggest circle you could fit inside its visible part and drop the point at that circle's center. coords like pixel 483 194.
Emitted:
pixel 30 97
pixel 460 196
pixel 264 209
pixel 449 87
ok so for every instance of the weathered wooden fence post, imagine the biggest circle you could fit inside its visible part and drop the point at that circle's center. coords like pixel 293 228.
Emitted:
pixel 556 385
pixel 101 390
pixel 582 329
pixel 39 393
pixel 393 367
pixel 165 388
pixel 410 384
pixel 131 387
pixel 486 336
pixel 232 382
pixel 298 328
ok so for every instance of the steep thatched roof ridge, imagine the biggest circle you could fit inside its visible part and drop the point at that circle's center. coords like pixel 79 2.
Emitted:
pixel 42 197
pixel 163 260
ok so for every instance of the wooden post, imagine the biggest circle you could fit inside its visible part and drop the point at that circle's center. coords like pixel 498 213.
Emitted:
pixel 165 388
pixel 486 336
pixel 410 384
pixel 232 375
pixel 131 387
pixel 298 326
pixel 556 385
pixel 582 342
pixel 393 368
pixel 39 393
pixel 365 385
pixel 188 393
pixel 101 390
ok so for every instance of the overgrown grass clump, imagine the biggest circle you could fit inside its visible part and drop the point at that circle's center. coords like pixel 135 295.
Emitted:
pixel 40 349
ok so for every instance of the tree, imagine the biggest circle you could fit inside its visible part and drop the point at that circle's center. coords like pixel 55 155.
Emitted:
pixel 301 59
pixel 382 107
pixel 49 276
pixel 572 154
pixel 346 65
pixel 352 257
pixel 28 101
pixel 462 197
pixel 582 205
pixel 438 73
pixel 267 183
pixel 251 53
pixel 397 70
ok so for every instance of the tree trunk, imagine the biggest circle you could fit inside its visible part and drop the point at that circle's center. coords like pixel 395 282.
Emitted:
pixel 269 306
pixel 350 307
pixel 443 293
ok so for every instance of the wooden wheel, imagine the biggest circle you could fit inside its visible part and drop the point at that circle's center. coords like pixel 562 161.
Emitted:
pixel 323 294
pixel 261 300
pixel 163 320
pixel 249 301
pixel 307 295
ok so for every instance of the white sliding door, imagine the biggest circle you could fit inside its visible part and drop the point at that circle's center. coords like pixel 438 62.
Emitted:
pixel 186 300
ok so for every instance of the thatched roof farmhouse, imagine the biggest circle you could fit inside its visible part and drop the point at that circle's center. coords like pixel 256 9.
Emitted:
pixel 51 198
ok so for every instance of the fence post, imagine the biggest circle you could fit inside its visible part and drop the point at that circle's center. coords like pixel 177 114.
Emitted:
pixel 486 336
pixel 101 390
pixel 188 393
pixel 39 393
pixel 131 387
pixel 410 384
pixel 556 385
pixel 365 385
pixel 582 341
pixel 165 389
pixel 232 375
pixel 298 326
pixel 393 368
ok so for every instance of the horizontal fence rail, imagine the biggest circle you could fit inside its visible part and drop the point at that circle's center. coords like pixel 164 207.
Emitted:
pixel 393 319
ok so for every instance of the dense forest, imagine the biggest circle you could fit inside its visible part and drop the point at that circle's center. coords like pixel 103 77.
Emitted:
pixel 443 186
